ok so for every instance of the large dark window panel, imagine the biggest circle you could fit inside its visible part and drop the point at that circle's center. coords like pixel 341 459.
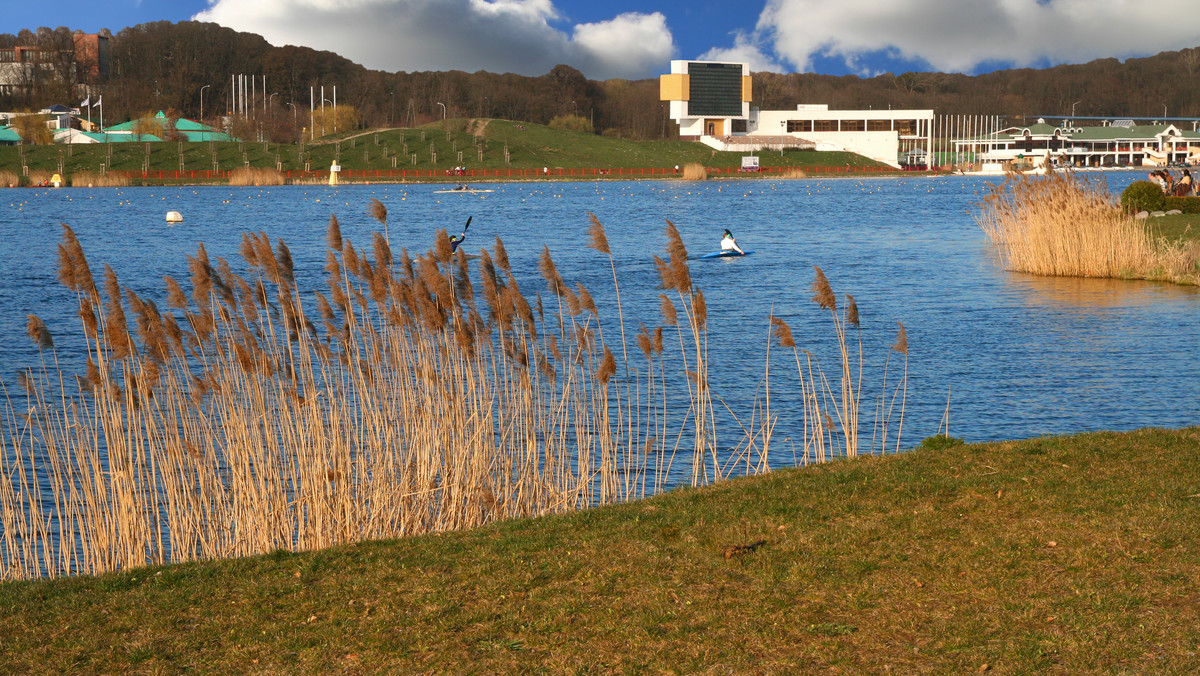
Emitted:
pixel 716 89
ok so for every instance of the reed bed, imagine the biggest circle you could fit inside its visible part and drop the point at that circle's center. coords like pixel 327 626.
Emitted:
pixel 255 176
pixel 9 179
pixel 794 172
pixel 38 177
pixel 694 171
pixel 408 396
pixel 91 179
pixel 1065 225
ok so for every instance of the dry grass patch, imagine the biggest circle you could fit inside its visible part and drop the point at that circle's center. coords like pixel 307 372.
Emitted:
pixel 91 179
pixel 694 171
pixel 255 176
pixel 9 179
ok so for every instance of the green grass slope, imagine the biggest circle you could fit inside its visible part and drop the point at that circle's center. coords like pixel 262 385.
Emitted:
pixel 1068 555
pixel 477 144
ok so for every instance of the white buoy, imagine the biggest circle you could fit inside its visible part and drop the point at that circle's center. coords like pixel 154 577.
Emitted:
pixel 174 217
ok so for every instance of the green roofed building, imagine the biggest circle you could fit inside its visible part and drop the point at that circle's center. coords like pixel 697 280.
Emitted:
pixel 1118 143
pixel 190 130
pixel 9 136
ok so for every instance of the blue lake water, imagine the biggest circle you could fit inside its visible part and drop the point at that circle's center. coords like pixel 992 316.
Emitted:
pixel 1017 356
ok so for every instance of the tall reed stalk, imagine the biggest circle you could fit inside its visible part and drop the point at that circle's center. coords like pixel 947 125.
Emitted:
pixel 407 396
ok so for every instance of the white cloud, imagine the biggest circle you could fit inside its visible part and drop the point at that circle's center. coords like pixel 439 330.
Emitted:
pixel 744 50
pixel 500 36
pixel 959 35
pixel 630 45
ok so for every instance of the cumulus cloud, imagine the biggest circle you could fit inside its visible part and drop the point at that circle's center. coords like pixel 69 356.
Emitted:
pixel 516 36
pixel 745 50
pixel 959 36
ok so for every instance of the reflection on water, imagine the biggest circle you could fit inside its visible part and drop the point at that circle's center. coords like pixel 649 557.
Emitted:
pixel 1020 355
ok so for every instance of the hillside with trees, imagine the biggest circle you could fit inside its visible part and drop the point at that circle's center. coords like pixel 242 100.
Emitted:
pixel 167 66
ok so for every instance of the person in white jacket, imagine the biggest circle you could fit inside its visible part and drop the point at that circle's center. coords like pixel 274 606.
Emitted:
pixel 728 243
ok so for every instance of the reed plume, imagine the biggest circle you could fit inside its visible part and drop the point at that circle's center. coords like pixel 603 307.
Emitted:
pixel 823 293
pixel 36 329
pixel 333 235
pixel 596 237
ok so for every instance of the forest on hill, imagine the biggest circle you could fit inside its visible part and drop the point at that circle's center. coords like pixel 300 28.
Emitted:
pixel 172 66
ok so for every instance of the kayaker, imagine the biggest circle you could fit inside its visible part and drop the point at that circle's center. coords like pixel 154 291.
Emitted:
pixel 728 243
pixel 456 240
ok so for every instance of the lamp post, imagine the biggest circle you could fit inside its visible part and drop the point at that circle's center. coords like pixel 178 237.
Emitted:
pixel 295 122
pixel 1073 108
pixel 443 110
pixel 392 110
pixel 202 101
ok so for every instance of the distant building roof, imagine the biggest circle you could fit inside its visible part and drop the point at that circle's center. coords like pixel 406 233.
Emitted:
pixel 9 135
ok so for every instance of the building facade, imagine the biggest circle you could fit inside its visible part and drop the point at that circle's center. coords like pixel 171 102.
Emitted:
pixel 711 102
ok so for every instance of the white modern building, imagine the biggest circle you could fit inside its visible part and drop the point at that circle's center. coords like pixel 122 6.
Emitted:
pixel 710 100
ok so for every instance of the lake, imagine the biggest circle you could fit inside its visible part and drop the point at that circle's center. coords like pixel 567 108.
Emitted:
pixel 1015 355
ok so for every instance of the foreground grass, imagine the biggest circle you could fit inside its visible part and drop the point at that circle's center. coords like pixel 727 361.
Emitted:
pixel 1075 554
pixel 529 146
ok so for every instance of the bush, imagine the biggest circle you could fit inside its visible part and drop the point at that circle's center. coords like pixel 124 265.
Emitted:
pixel 1188 205
pixel 1143 196
pixel 572 123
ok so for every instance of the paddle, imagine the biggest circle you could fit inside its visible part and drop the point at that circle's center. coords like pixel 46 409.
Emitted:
pixel 468 224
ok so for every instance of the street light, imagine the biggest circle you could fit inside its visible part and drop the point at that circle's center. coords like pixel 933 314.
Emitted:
pixel 443 110
pixel 202 101
pixel 1073 108
pixel 295 122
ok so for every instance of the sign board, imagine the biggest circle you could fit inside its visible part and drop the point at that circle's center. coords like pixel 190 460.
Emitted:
pixel 750 164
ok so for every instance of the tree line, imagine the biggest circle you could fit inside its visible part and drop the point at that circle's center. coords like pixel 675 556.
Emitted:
pixel 174 66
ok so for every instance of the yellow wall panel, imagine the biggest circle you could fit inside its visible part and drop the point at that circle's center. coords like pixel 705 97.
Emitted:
pixel 673 87
pixel 746 93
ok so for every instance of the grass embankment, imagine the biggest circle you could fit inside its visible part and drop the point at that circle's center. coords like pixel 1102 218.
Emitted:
pixel 1068 225
pixel 477 144
pixel 1075 554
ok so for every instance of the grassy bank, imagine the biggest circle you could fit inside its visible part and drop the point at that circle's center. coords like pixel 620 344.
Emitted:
pixel 476 143
pixel 1076 555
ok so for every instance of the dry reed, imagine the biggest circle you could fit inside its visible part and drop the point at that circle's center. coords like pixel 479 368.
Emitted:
pixel 91 179
pixel 794 172
pixel 694 171
pixel 255 176
pixel 233 424
pixel 1066 225
pixel 9 179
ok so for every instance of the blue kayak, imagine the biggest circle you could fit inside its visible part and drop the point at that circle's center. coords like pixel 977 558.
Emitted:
pixel 725 254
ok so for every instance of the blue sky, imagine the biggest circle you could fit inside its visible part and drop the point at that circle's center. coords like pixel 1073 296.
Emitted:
pixel 637 39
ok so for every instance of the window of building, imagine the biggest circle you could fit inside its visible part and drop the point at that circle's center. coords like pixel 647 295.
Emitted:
pixel 739 126
pixel 799 126
pixel 825 125
pixel 854 125
pixel 879 125
pixel 906 127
